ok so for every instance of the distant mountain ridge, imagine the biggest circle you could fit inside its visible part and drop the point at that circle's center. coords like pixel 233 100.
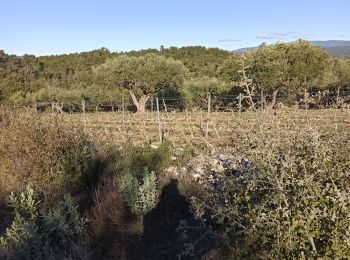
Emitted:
pixel 337 48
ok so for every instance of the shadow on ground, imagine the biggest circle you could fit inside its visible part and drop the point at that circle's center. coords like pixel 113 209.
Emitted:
pixel 163 237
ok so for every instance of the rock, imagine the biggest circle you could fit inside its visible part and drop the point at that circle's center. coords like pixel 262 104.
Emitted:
pixel 172 170
pixel 196 176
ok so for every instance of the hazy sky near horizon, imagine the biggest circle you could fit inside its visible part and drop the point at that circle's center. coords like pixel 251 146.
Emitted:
pixel 44 27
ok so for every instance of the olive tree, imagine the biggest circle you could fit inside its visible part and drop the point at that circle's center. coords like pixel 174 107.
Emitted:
pixel 291 67
pixel 308 66
pixel 269 68
pixel 342 72
pixel 341 76
pixel 141 76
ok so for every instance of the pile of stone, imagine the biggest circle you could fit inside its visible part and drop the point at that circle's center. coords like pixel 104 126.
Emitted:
pixel 214 172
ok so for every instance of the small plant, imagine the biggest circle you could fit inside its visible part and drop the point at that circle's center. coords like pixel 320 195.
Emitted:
pixel 36 233
pixel 22 238
pixel 140 196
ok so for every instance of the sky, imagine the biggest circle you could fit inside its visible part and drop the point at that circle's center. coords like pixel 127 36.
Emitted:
pixel 45 27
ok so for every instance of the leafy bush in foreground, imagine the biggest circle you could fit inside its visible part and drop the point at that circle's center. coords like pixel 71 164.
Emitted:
pixel 36 233
pixel 140 197
pixel 294 203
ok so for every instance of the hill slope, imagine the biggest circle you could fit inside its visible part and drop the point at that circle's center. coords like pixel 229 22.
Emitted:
pixel 336 48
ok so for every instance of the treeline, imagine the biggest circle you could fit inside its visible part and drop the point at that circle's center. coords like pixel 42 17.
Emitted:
pixel 288 69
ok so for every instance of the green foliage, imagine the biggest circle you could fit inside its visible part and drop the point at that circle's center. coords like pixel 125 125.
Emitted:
pixel 269 67
pixel 292 68
pixel 36 233
pixel 29 74
pixel 342 73
pixel 290 203
pixel 309 66
pixel 230 69
pixel 63 221
pixel 135 158
pixel 66 96
pixel 140 196
pixel 43 151
pixel 145 74
pixel 22 237
pixel 201 61
pixel 195 91
pixel 66 78
pixel 25 204
pixel 141 76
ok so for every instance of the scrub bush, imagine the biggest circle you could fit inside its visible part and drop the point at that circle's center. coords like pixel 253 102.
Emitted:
pixel 289 204
pixel 37 233
pixel 140 196
pixel 42 151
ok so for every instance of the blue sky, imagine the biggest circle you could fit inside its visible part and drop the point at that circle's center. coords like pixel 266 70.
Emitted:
pixel 63 26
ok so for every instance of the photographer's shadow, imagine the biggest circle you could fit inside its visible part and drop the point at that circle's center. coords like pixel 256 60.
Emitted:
pixel 162 238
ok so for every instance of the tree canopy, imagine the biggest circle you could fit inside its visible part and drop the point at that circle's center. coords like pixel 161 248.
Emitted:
pixel 283 68
pixel 293 67
pixel 141 76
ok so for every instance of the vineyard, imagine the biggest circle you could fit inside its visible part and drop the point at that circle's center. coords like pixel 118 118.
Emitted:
pixel 197 129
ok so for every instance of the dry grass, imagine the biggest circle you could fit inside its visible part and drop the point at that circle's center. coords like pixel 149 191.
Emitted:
pixel 41 151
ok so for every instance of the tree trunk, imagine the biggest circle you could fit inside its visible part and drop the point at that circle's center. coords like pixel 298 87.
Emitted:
pixel 141 103
pixel 249 90
pixel 274 99
pixel 248 85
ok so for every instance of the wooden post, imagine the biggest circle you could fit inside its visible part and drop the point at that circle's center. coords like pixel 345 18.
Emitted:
pixel 338 93
pixel 164 105
pixel 123 110
pixel 240 102
pixel 158 117
pixel 152 104
pixel 83 105
pixel 208 116
pixel 84 117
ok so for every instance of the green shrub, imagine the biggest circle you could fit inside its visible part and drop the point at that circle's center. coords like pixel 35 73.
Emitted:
pixel 135 158
pixel 294 203
pixel 140 196
pixel 42 151
pixel 194 92
pixel 36 233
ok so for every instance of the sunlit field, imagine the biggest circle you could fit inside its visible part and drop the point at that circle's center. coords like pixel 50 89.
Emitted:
pixel 224 128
